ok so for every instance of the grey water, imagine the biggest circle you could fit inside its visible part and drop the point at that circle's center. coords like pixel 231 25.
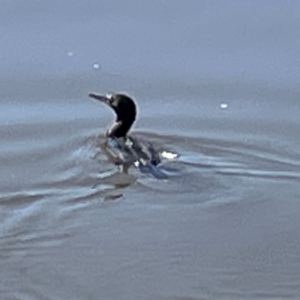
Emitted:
pixel 216 82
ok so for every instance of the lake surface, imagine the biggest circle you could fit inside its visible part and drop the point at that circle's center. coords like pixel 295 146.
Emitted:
pixel 216 82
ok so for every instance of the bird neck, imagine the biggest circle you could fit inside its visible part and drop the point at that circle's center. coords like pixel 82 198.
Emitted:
pixel 119 129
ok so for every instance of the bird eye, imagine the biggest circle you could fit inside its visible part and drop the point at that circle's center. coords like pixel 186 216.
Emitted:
pixel 111 99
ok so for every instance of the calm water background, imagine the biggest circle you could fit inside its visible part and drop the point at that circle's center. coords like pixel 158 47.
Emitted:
pixel 217 82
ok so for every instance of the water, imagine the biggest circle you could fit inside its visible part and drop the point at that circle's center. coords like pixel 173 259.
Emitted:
pixel 216 82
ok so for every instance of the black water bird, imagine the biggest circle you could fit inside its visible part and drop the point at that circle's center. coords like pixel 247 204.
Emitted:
pixel 123 149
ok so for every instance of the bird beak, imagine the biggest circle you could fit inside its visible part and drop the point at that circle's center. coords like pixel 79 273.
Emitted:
pixel 104 99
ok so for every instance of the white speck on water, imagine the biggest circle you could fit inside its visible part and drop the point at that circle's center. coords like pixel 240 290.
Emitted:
pixel 224 105
pixel 96 66
pixel 169 155
pixel 70 53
